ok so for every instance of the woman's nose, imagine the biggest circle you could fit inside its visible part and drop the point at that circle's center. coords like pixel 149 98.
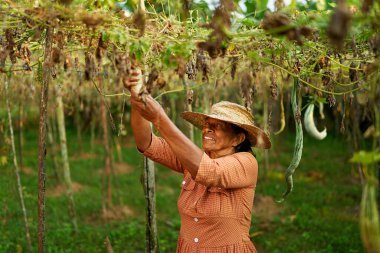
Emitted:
pixel 206 129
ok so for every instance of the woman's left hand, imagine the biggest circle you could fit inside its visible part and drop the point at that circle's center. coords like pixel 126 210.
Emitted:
pixel 151 110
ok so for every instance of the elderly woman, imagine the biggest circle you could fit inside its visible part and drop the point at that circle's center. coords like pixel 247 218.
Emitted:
pixel 219 181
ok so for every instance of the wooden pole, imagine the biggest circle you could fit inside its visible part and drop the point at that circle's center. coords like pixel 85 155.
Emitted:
pixel 42 140
pixel 150 198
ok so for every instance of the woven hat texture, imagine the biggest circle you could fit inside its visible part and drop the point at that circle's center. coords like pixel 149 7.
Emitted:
pixel 234 114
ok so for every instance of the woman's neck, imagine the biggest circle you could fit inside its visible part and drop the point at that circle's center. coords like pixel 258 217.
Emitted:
pixel 220 153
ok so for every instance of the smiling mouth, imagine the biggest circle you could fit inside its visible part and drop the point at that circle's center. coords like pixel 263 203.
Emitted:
pixel 208 138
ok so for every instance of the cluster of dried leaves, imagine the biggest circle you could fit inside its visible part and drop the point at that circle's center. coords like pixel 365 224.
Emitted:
pixel 8 48
pixel 279 24
pixel 218 40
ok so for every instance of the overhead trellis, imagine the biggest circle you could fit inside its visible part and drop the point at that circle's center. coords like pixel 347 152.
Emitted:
pixel 156 39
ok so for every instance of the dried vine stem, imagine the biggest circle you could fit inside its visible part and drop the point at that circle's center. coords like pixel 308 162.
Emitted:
pixel 298 144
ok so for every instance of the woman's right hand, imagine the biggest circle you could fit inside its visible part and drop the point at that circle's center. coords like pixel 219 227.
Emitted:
pixel 134 82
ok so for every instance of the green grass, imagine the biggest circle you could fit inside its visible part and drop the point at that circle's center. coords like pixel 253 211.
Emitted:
pixel 320 215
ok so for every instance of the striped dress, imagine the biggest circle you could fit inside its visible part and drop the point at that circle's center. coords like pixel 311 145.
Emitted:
pixel 216 207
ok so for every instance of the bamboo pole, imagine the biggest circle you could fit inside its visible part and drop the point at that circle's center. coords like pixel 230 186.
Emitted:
pixel 65 157
pixel 42 141
pixel 17 172
pixel 150 198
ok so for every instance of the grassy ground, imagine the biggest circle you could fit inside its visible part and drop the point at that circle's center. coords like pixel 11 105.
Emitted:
pixel 321 215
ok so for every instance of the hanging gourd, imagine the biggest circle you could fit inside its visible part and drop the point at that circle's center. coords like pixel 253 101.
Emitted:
pixel 309 123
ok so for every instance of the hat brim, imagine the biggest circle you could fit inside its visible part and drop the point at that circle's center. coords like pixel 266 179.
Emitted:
pixel 256 136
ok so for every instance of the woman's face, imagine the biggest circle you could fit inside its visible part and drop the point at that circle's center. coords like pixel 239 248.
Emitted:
pixel 219 138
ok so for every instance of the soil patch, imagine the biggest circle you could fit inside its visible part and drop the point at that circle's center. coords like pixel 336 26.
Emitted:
pixel 119 212
pixel 315 175
pixel 117 169
pixel 122 168
pixel 265 208
pixel 83 156
pixel 60 190
pixel 27 170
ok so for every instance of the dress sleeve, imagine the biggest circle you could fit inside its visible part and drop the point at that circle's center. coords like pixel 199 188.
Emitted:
pixel 160 152
pixel 234 171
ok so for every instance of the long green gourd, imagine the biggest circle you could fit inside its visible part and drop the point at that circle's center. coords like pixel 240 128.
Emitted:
pixel 298 144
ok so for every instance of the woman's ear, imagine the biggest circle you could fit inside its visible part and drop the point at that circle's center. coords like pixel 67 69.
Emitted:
pixel 239 139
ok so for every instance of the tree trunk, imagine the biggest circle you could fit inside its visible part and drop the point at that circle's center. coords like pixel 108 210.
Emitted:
pixel 150 198
pixel 42 141
pixel 65 158
pixel 19 186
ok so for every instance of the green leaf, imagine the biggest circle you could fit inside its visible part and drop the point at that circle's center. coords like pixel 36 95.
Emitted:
pixel 139 48
pixel 105 36
pixel 256 7
pixel 366 157
pixel 249 22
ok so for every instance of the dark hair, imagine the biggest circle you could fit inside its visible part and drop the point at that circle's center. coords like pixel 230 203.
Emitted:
pixel 246 145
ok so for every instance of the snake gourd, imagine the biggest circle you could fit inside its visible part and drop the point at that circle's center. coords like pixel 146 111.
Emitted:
pixel 297 154
pixel 309 123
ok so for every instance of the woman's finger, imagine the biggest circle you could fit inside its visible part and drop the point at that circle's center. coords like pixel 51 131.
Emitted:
pixel 131 79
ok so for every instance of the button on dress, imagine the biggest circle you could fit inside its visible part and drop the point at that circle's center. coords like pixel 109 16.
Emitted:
pixel 216 207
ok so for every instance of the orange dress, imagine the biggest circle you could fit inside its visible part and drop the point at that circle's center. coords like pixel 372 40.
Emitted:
pixel 215 208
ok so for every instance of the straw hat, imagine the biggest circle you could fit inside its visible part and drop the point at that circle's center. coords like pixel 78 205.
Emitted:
pixel 234 114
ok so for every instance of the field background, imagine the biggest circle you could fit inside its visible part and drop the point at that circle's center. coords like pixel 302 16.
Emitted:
pixel 321 215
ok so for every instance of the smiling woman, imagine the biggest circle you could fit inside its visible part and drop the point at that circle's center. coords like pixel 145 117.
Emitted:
pixel 215 203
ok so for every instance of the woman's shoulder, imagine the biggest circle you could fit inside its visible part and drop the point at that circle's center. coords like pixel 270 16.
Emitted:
pixel 246 158
pixel 247 155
